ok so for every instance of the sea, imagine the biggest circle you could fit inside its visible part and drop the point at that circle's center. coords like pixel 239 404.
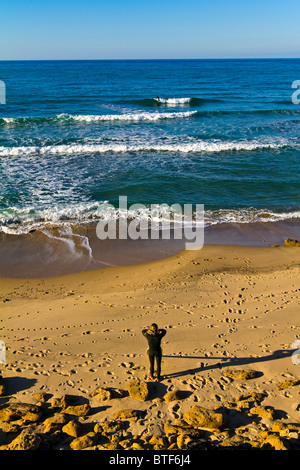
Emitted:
pixel 77 135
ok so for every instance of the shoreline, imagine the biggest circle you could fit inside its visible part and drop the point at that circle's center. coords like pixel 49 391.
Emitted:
pixel 224 308
pixel 60 250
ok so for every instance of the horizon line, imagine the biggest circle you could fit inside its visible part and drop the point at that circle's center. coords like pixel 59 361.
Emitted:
pixel 151 59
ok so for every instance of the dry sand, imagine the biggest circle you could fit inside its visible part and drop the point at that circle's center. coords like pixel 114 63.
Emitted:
pixel 224 307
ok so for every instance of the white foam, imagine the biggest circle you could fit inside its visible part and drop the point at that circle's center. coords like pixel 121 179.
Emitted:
pixel 65 215
pixel 186 147
pixel 144 116
pixel 90 118
pixel 173 101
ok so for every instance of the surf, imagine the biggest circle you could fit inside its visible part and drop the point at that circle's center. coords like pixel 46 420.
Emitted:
pixel 92 118
pixel 200 146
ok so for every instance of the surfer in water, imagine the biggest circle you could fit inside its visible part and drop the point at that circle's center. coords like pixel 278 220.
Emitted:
pixel 158 99
pixel 154 337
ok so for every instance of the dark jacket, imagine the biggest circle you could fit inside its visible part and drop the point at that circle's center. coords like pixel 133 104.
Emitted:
pixel 154 340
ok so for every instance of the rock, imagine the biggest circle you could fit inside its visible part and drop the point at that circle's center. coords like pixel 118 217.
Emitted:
pixel 108 393
pixel 110 426
pixel 43 397
pixel 183 440
pixel 275 442
pixel 287 384
pixel 264 412
pixel 138 390
pixel 240 374
pixel 55 423
pixel 88 440
pixel 174 395
pixel 255 396
pixel 108 446
pixel 24 411
pixel 199 417
pixel 102 394
pixel 77 410
pixel 290 242
pixel 184 428
pixel 2 388
pixel 26 440
pixel 72 428
pixel 137 446
pixel 62 402
pixel 158 442
pixel 126 414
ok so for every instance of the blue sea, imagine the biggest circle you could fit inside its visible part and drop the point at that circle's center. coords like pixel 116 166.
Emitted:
pixel 75 135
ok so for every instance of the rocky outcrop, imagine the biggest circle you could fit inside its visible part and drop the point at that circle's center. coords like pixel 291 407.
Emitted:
pixel 240 374
pixel 199 417
pixel 108 393
pixel 63 423
pixel 26 440
pixel 138 389
pixel 2 388
pixel 174 395
pixel 22 412
pixel 290 242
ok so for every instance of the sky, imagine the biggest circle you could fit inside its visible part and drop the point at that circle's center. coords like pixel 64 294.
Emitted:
pixel 143 29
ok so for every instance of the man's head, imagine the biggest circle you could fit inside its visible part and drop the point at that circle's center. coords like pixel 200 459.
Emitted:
pixel 154 327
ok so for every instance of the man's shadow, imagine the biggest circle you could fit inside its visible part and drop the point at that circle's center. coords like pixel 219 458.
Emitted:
pixel 227 362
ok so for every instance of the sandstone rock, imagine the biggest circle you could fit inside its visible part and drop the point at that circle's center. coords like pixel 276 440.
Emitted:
pixel 2 388
pixel 276 442
pixel 174 395
pixel 55 423
pixel 109 426
pixel 26 440
pixel 88 440
pixel 199 417
pixel 138 390
pixel 126 443
pixel 62 402
pixel 77 410
pixel 72 428
pixel 126 414
pixel 290 242
pixel 108 393
pixel 16 411
pixel 108 446
pixel 255 396
pixel 158 442
pixel 264 412
pixel 240 374
pixel 288 384
pixel 43 397
pixel 137 446
pixel 174 430
pixel 171 429
pixel 183 440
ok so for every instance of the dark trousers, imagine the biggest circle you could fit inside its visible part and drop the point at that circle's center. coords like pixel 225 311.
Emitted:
pixel 155 355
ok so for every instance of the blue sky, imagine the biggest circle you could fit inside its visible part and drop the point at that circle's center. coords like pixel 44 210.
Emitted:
pixel 143 29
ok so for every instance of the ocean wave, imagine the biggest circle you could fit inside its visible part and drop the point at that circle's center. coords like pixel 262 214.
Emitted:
pixel 23 220
pixel 173 101
pixel 187 147
pixel 250 215
pixel 69 118
pixel 191 101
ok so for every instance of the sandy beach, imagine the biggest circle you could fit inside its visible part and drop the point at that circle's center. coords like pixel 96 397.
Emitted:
pixel 224 308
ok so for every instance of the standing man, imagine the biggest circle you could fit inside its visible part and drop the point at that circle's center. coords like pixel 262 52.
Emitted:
pixel 154 336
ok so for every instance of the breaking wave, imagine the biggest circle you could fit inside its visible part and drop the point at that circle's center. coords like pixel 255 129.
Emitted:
pixel 188 147
pixel 69 118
